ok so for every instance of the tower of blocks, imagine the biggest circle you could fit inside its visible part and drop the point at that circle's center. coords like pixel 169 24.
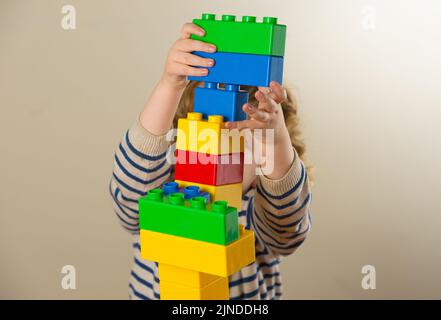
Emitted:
pixel 190 226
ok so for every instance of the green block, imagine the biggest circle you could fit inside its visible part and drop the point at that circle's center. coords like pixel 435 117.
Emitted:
pixel 246 36
pixel 193 219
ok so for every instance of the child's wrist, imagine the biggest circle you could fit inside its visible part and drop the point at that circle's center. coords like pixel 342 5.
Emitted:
pixel 281 157
pixel 173 82
pixel 275 138
pixel 281 136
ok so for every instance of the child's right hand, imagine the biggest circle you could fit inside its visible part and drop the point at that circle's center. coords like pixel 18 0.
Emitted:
pixel 180 60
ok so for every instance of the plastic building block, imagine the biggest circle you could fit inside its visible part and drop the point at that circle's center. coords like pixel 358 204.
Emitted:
pixel 209 169
pixel 188 192
pixel 193 219
pixel 217 290
pixel 232 193
pixel 227 103
pixel 242 69
pixel 199 255
pixel 185 277
pixel 207 136
pixel 246 36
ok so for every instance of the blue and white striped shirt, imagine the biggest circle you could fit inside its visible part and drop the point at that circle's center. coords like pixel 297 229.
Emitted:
pixel 276 210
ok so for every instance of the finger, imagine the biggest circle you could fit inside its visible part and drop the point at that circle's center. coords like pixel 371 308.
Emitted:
pixel 193 60
pixel 244 124
pixel 249 108
pixel 275 91
pixel 267 91
pixel 190 28
pixel 256 114
pixel 190 45
pixel 186 70
pixel 265 102
pixel 278 92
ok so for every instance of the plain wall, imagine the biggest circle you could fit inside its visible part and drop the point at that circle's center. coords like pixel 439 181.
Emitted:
pixel 370 105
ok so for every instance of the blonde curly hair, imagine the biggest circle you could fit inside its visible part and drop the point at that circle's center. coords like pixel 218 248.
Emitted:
pixel 289 108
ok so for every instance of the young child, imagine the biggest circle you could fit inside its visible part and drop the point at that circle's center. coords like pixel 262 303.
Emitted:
pixel 275 205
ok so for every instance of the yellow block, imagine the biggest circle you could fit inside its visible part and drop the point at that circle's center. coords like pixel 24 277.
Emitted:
pixel 207 136
pixel 198 255
pixel 185 277
pixel 232 193
pixel 216 290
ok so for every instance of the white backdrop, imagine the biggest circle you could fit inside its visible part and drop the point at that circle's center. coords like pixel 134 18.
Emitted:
pixel 367 74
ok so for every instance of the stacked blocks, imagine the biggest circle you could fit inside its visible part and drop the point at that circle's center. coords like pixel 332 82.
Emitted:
pixel 245 69
pixel 227 103
pixel 232 193
pixel 215 290
pixel 207 136
pixel 189 191
pixel 210 169
pixel 191 226
pixel 200 256
pixel 193 218
pixel 248 52
pixel 247 36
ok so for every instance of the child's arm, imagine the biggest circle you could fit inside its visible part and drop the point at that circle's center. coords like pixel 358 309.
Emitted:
pixel 140 160
pixel 139 165
pixel 160 109
pixel 281 214
pixel 281 204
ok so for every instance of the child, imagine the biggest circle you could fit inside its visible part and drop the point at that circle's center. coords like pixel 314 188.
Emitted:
pixel 275 205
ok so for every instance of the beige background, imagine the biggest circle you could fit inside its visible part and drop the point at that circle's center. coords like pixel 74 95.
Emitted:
pixel 370 103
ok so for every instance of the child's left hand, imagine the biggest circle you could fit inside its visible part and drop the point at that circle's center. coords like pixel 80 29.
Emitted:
pixel 267 115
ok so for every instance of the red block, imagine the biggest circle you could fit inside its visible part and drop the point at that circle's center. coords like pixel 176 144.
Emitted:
pixel 211 169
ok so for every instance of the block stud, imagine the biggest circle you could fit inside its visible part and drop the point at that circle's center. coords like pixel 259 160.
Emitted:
pixel 220 206
pixel 155 195
pixel 208 16
pixel 170 187
pixel 270 20
pixel 194 116
pixel 191 192
pixel 248 19
pixel 176 199
pixel 231 87
pixel 197 203
pixel 228 18
pixel 211 85
pixel 215 119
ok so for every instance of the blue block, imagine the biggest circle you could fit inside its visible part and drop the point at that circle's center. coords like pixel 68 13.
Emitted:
pixel 242 69
pixel 189 192
pixel 227 103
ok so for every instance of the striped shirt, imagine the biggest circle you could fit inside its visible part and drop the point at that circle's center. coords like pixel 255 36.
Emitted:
pixel 276 210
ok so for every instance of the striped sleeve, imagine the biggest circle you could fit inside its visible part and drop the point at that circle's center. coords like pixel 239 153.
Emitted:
pixel 139 165
pixel 281 216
